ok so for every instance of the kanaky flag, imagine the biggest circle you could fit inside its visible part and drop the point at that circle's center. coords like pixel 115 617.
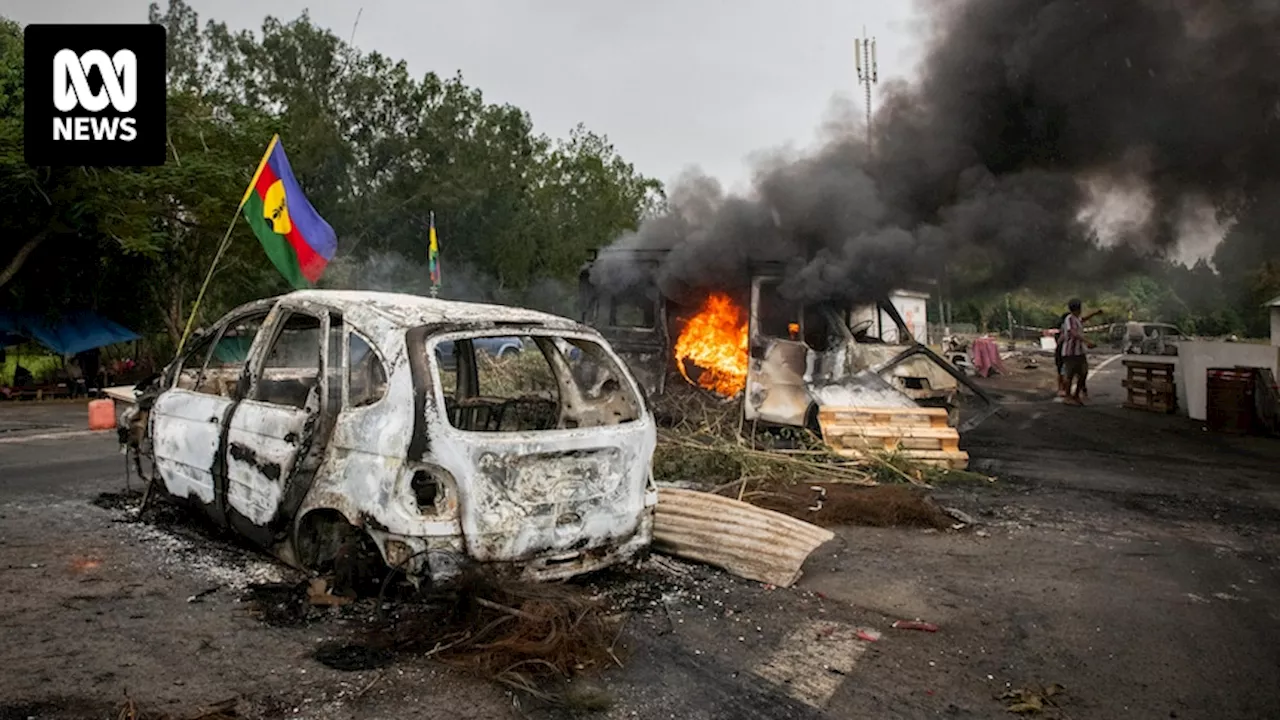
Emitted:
pixel 433 254
pixel 299 242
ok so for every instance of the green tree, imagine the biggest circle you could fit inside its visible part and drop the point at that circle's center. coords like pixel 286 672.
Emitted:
pixel 376 149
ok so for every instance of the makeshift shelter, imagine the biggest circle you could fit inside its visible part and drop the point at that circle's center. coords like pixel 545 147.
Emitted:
pixel 68 335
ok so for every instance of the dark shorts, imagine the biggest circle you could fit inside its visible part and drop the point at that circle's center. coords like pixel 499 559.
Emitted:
pixel 1075 366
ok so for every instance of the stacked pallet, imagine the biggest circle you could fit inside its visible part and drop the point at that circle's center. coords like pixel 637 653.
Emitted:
pixel 1150 386
pixel 920 433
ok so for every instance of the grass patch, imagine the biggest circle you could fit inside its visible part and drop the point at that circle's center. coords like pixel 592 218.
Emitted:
pixel 40 364
pixel 705 441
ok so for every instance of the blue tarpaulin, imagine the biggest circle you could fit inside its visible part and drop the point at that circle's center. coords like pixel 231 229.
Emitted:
pixel 68 335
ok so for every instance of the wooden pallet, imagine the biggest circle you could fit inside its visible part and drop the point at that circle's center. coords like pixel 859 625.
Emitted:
pixel 1150 387
pixel 921 434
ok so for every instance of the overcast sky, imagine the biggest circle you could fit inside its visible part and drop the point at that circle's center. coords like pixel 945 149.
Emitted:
pixel 674 83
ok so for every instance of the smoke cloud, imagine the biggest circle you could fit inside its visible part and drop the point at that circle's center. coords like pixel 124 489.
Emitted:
pixel 982 170
pixel 389 271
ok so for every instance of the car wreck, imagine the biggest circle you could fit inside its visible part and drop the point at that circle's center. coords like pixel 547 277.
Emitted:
pixel 330 427
pixel 792 364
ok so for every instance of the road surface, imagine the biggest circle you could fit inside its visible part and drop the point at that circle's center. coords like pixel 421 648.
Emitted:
pixel 1132 558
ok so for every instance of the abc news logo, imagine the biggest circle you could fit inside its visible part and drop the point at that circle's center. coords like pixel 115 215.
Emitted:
pixel 71 91
pixel 106 95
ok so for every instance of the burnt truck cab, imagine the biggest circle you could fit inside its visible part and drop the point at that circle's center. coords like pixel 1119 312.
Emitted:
pixel 323 420
pixel 802 357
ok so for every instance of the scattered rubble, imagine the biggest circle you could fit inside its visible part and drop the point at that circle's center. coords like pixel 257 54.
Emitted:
pixel 225 710
pixel 1034 700
pixel 914 625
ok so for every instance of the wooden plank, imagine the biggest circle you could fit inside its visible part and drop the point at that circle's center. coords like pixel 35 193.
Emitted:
pixel 1150 387
pixel 1157 386
pixel 953 459
pixel 1147 365
pixel 896 431
pixel 909 414
pixel 890 444
pixel 881 410
pixel 933 417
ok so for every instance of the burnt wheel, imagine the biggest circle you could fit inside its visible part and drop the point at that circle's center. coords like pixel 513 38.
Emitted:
pixel 328 543
pixel 358 568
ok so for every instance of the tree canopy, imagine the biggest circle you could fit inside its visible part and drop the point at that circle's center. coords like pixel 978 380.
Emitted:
pixel 376 149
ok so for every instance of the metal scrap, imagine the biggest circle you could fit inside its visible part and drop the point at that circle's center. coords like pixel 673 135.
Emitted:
pixel 744 539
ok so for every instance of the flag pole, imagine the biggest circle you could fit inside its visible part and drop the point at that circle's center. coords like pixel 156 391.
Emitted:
pixel 225 242
pixel 432 259
pixel 222 248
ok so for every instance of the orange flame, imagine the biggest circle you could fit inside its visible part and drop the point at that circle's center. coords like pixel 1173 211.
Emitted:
pixel 715 341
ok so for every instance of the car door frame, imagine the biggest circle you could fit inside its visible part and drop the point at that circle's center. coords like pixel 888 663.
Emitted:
pixel 776 391
pixel 305 448
pixel 215 509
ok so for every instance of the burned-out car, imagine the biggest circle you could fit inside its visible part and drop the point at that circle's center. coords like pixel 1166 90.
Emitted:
pixel 322 421
pixel 795 358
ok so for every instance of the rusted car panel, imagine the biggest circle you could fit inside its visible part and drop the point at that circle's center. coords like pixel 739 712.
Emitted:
pixel 747 540
pixel 330 426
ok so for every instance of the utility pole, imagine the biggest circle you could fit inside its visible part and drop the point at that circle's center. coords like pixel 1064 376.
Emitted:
pixel 1008 311
pixel 864 60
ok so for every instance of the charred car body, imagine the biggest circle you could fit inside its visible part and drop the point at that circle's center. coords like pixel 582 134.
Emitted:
pixel 801 357
pixel 322 420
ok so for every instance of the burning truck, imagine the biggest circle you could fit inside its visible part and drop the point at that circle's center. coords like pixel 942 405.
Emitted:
pixel 838 371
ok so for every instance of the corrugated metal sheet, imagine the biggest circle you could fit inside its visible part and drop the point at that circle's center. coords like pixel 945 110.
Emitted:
pixel 746 540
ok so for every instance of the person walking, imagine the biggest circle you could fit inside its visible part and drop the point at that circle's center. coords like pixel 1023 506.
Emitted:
pixel 1057 350
pixel 1057 357
pixel 90 362
pixel 1075 363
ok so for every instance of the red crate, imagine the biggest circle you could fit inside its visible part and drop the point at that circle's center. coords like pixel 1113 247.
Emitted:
pixel 1230 405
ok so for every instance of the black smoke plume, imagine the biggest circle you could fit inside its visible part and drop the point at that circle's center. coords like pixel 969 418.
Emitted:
pixel 979 171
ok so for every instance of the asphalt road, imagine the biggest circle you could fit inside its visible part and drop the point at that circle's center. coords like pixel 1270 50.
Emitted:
pixel 1133 558
pixel 47 449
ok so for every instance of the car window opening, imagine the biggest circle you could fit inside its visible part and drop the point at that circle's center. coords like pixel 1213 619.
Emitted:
pixel 291 372
pixel 214 365
pixel 366 373
pixel 523 383
pixel 631 311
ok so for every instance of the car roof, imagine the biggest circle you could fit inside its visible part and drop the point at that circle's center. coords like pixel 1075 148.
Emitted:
pixel 414 310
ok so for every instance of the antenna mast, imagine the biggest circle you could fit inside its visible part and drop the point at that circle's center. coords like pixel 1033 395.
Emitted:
pixel 864 60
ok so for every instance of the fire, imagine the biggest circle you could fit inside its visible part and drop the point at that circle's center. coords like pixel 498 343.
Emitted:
pixel 715 341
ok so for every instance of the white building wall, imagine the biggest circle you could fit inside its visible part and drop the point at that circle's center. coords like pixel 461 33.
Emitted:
pixel 1196 357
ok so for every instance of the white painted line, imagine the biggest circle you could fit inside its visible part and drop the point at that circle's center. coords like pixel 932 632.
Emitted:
pixel 55 436
pixel 1108 361
pixel 813 661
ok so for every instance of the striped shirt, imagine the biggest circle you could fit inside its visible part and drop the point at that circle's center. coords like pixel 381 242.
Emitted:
pixel 1071 345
